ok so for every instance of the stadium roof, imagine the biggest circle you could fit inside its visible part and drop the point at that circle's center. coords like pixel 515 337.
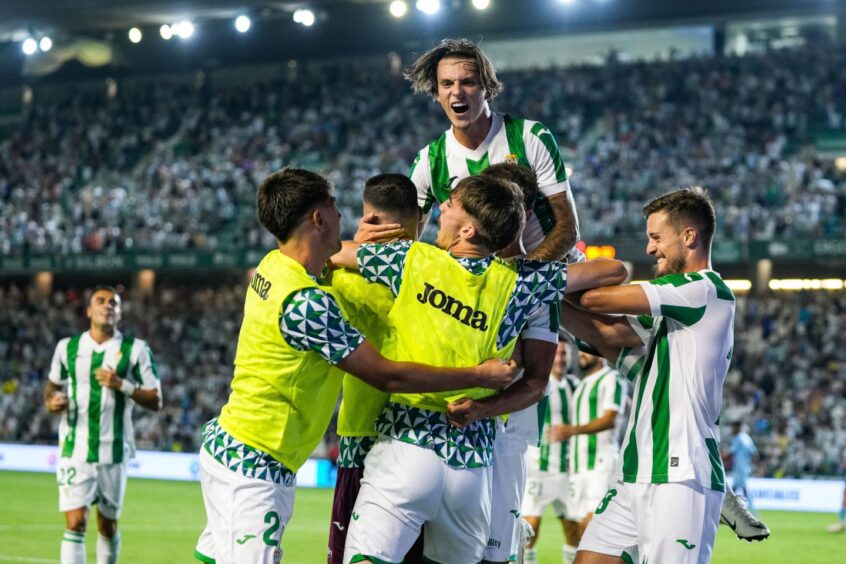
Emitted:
pixel 342 26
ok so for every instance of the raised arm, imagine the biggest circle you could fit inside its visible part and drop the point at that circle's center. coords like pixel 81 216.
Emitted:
pixel 595 273
pixel 564 233
pixel 346 257
pixel 608 334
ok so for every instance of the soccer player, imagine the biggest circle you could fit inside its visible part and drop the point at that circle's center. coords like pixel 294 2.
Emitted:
pixel 105 373
pixel 840 526
pixel 667 499
pixel 282 394
pixel 461 78
pixel 598 413
pixel 549 465
pixel 537 345
pixel 389 199
pixel 743 450
pixel 464 304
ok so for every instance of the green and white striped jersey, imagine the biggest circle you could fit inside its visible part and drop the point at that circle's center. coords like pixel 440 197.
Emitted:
pixel 97 426
pixel 673 432
pixel 602 391
pixel 441 164
pixel 552 458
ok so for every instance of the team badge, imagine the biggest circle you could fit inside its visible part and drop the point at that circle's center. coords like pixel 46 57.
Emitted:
pixel 511 158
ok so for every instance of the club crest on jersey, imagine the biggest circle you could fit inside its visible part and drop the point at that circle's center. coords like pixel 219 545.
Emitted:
pixel 465 314
pixel 512 158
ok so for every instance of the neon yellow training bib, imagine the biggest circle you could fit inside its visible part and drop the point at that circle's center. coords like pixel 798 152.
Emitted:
pixel 367 307
pixel 282 399
pixel 447 316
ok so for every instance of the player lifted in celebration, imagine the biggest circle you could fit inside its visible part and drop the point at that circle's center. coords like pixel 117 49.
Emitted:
pixel 104 373
pixel 454 305
pixel 462 79
pixel 388 199
pixel 283 394
pixel 598 413
pixel 548 465
pixel 676 343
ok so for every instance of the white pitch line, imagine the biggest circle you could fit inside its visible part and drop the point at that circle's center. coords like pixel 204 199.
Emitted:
pixel 59 527
pixel 8 558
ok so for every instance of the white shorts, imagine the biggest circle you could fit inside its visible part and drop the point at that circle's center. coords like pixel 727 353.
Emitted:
pixel 82 484
pixel 547 489
pixel 406 486
pixel 586 491
pixel 245 517
pixel 673 522
pixel 508 484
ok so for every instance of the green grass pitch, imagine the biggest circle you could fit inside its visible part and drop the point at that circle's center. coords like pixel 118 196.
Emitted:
pixel 161 521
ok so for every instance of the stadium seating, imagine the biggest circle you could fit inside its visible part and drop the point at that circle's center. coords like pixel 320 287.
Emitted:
pixel 165 167
pixel 786 381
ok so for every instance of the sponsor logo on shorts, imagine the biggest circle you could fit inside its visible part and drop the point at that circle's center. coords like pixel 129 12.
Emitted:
pixel 244 539
pixel 515 513
pixel 355 516
pixel 674 462
pixel 686 544
pixel 338 525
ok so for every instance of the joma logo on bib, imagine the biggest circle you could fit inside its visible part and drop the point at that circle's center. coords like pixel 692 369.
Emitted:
pixel 450 306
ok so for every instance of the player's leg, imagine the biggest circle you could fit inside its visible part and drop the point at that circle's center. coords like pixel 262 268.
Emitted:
pixel 347 486
pixel 77 492
pixel 840 526
pixel 246 515
pixel 532 510
pixel 569 527
pixel 679 522
pixel 111 489
pixel 613 529
pixel 458 533
pixel 401 489
pixel 508 484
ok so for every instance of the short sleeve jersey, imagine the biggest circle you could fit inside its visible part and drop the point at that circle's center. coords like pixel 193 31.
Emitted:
pixel 673 433
pixel 553 457
pixel 525 424
pixel 441 164
pixel 596 394
pixel 97 426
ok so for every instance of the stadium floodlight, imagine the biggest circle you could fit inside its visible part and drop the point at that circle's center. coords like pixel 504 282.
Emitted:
pixel 29 46
pixel 481 4
pixel 45 44
pixel 135 35
pixel 243 24
pixel 183 29
pixel 398 8
pixel 166 32
pixel 428 7
pixel 304 17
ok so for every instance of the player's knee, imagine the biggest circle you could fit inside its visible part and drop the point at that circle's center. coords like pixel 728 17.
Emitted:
pixel 107 527
pixel 76 520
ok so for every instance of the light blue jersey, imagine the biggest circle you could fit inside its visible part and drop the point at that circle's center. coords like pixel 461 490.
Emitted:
pixel 743 449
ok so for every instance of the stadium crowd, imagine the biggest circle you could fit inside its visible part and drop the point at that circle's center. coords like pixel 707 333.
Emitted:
pixel 786 382
pixel 174 167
